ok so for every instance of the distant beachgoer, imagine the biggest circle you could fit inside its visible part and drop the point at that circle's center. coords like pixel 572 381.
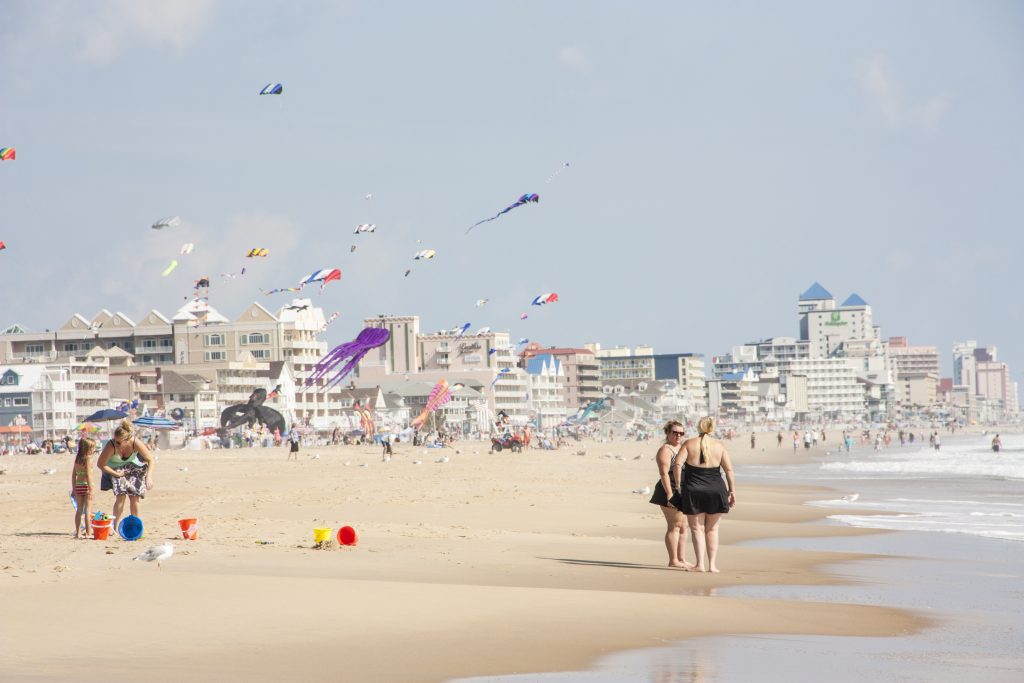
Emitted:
pixel 848 440
pixel 796 441
pixel 807 440
pixel 779 437
pixel 878 441
pixel 752 441
pixel 129 463
pixel 675 521
pixel 814 437
pixel 293 444
pixel 938 441
pixel 703 496
pixel 997 444
pixel 81 484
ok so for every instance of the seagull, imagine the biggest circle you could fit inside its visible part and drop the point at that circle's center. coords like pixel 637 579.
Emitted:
pixel 157 553
pixel 851 498
pixel 183 469
pixel 315 456
pixel 50 471
pixel 417 462
pixel 644 491
pixel 444 459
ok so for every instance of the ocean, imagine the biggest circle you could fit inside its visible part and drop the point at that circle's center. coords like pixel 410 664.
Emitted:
pixel 958 557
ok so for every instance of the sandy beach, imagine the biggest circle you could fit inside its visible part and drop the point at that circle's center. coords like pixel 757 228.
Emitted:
pixel 485 564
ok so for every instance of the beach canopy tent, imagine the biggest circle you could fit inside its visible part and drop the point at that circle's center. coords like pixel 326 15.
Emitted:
pixel 106 414
pixel 155 422
pixel 15 429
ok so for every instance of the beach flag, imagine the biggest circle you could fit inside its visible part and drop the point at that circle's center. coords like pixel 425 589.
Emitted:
pixel 2 246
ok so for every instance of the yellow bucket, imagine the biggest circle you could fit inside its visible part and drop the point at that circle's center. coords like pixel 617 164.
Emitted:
pixel 321 535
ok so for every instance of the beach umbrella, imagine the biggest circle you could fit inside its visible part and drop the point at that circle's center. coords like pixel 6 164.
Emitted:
pixel 105 415
pixel 88 427
pixel 155 422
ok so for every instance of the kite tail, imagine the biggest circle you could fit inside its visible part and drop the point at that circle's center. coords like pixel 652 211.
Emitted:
pixel 349 367
pixel 419 419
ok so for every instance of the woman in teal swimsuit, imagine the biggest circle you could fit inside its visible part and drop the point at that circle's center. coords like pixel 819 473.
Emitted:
pixel 129 462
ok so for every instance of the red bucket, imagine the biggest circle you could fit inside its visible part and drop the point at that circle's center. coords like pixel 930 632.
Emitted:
pixel 347 536
pixel 101 529
pixel 189 528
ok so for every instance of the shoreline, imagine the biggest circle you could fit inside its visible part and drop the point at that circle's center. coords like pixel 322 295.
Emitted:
pixel 546 551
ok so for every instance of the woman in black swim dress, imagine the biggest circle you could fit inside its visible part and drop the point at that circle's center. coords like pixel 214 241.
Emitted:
pixel 675 521
pixel 703 497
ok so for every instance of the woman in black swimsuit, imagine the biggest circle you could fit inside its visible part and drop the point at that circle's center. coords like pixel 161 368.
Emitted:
pixel 703 496
pixel 675 533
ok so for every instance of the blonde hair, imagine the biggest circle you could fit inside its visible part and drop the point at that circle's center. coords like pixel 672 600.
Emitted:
pixel 124 430
pixel 704 427
pixel 670 425
pixel 85 447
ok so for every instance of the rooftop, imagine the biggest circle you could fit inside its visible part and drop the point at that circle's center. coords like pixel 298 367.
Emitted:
pixel 854 300
pixel 815 293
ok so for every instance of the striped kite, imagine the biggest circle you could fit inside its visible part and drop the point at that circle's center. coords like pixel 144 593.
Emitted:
pixel 272 89
pixel 258 251
pixel 322 276
pixel 8 154
pixel 545 298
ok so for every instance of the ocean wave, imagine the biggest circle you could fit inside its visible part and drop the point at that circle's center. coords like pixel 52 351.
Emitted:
pixel 976 466
pixel 936 523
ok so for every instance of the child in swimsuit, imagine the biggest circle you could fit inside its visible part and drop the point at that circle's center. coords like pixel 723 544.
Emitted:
pixel 81 484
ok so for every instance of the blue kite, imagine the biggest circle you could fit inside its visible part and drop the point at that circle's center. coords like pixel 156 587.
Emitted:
pixel 525 199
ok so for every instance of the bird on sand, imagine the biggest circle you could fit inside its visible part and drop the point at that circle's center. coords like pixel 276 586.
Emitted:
pixel 157 553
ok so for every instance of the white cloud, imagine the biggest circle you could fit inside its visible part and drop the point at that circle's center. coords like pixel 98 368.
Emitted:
pixel 575 57
pixel 887 97
pixel 97 32
pixel 123 23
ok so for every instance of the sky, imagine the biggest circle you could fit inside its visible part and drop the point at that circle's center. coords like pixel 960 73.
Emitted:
pixel 722 158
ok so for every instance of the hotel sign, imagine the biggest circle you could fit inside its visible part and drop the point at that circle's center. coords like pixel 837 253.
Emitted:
pixel 836 319
pixel 466 347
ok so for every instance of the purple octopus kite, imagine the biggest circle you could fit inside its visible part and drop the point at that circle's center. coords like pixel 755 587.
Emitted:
pixel 369 338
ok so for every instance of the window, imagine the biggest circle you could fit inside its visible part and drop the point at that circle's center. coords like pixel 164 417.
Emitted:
pixel 214 340
pixel 71 346
pixel 7 402
pixel 215 355
pixel 33 348
pixel 149 343
pixel 256 338
pixel 260 353
pixel 21 401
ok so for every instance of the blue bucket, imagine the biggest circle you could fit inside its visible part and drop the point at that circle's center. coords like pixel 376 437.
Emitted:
pixel 130 528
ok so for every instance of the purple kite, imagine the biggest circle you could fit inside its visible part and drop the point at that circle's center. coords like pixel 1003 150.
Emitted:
pixel 525 199
pixel 370 338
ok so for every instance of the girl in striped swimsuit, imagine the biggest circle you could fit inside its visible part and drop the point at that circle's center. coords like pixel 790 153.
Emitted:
pixel 81 484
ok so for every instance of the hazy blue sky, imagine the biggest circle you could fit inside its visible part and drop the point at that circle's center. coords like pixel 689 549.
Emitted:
pixel 723 157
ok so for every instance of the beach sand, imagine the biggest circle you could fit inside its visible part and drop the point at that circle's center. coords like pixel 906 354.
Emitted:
pixel 486 564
